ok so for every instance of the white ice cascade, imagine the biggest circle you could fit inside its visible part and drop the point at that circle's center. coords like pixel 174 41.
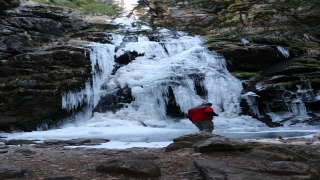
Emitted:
pixel 176 62
pixel 283 51
pixel 308 37
pixel 297 105
pixel 251 99
pixel 296 110
pixel 102 62
pixel 244 41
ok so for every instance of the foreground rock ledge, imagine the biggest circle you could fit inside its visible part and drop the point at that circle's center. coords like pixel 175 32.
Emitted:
pixel 201 156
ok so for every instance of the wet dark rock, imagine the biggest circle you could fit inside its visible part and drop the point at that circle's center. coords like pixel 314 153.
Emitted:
pixel 126 58
pixel 130 38
pixel 114 100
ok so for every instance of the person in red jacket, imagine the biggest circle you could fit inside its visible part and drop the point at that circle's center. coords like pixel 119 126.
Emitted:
pixel 202 116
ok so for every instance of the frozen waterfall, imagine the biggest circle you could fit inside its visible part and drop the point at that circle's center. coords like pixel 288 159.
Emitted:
pixel 176 61
pixel 172 60
pixel 101 56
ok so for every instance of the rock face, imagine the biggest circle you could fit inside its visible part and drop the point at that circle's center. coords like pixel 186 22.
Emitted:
pixel 278 72
pixel 31 96
pixel 39 62
pixel 273 47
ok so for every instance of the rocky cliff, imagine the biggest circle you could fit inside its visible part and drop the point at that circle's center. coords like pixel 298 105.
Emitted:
pixel 39 61
pixel 271 46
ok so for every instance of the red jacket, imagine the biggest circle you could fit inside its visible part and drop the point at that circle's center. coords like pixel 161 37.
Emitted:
pixel 200 113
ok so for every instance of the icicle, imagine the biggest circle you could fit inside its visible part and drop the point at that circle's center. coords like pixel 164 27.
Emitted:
pixel 283 51
pixel 151 99
pixel 298 108
pixel 102 61
pixel 244 41
pixel 295 109
pixel 307 92
pixel 72 100
pixel 250 97
pixel 308 37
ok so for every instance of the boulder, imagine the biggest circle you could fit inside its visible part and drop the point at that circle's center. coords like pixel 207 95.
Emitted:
pixel 221 143
pixel 317 135
pixel 178 145
pixel 10 171
pixel 195 137
pixel 267 155
pixel 128 166
pixel 242 168
pixel 186 141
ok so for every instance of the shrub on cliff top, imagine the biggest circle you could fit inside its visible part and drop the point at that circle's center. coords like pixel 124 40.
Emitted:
pixel 105 7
